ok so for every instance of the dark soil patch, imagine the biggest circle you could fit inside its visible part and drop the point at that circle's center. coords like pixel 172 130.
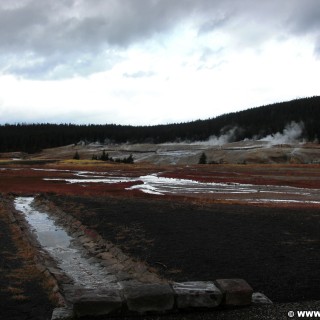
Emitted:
pixel 277 250
pixel 21 295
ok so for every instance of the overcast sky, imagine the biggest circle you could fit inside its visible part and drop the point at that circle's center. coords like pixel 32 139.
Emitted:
pixel 145 62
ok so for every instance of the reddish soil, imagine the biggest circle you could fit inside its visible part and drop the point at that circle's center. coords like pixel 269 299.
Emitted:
pixel 302 176
pixel 275 247
pixel 22 179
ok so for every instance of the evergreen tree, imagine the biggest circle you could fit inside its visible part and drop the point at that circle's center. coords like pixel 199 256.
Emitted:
pixel 104 156
pixel 203 158
pixel 254 123
pixel 76 156
pixel 130 159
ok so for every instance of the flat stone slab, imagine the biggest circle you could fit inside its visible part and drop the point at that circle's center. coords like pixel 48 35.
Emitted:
pixel 97 302
pixel 197 294
pixel 142 298
pixel 260 298
pixel 236 292
pixel 62 314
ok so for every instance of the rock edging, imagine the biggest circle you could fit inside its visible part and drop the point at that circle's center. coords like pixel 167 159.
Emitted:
pixel 99 250
pixel 134 298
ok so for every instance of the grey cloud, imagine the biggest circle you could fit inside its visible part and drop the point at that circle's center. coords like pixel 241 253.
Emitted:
pixel 317 47
pixel 211 58
pixel 139 74
pixel 51 35
pixel 213 24
pixel 81 25
pixel 305 20
pixel 42 37
pixel 56 66
pixel 208 53
pixel 306 17
pixel 19 26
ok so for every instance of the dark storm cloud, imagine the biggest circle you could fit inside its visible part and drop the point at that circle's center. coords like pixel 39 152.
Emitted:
pixel 42 37
pixel 46 27
pixel 305 20
pixel 306 17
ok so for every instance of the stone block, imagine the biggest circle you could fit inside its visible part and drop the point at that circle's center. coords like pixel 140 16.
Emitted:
pixel 123 276
pixel 97 302
pixel 149 277
pixel 89 245
pixel 142 298
pixel 115 251
pixel 77 234
pixel 62 314
pixel 76 224
pixel 108 245
pixel 260 298
pixel 140 268
pixel 109 264
pixel 197 294
pixel 84 239
pixel 122 257
pixel 236 292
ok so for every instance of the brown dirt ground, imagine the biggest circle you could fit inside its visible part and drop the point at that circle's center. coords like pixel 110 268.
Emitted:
pixel 23 291
pixel 276 251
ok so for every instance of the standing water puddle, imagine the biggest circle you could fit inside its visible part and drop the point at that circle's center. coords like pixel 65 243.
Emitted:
pixel 58 244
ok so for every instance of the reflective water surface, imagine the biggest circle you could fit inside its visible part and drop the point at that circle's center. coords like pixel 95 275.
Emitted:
pixel 58 244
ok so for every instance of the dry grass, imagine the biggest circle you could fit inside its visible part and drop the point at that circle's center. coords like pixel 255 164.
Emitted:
pixel 82 162
pixel 20 297
pixel 174 271
pixel 14 290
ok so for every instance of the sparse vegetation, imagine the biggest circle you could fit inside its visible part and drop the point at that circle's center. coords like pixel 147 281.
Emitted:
pixel 76 156
pixel 203 158
pixel 105 157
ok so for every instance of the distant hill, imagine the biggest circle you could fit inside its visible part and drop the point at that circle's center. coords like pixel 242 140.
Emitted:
pixel 253 123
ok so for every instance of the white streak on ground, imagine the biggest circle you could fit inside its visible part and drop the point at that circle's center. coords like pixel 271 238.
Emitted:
pixel 155 184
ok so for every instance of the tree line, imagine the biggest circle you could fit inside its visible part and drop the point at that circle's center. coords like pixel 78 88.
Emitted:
pixel 251 123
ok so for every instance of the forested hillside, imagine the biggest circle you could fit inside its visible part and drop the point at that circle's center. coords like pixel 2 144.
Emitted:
pixel 252 123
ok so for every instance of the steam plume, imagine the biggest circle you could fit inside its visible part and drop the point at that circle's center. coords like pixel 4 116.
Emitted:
pixel 291 133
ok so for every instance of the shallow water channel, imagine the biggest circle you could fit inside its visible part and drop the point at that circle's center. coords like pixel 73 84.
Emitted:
pixel 55 240
pixel 159 185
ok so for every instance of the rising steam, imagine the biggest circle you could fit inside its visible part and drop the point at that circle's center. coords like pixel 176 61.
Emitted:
pixel 226 136
pixel 291 134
